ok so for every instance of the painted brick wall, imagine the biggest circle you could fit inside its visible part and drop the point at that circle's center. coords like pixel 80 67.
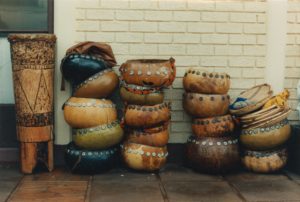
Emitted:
pixel 225 36
pixel 292 70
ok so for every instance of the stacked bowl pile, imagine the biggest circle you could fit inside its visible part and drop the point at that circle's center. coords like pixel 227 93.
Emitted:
pixel 146 116
pixel 265 128
pixel 213 146
pixel 96 131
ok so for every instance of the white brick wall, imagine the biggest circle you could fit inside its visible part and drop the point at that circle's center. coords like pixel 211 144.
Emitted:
pixel 292 70
pixel 225 36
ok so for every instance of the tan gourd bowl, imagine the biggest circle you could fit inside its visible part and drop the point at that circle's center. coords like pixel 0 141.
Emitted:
pixel 217 126
pixel 157 137
pixel 266 137
pixel 99 137
pixel 149 72
pixel 146 116
pixel 265 161
pixel 143 157
pixel 202 105
pixel 87 112
pixel 197 81
pixel 100 85
pixel 151 98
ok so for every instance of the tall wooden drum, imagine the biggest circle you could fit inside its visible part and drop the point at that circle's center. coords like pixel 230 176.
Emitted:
pixel 33 60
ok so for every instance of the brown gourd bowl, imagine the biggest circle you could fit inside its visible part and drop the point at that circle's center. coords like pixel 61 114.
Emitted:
pixel 203 105
pixel 100 85
pixel 197 81
pixel 266 137
pixel 87 112
pixel 157 137
pixel 217 126
pixel 265 161
pixel 149 72
pixel 140 97
pixel 146 116
pixel 213 155
pixel 143 157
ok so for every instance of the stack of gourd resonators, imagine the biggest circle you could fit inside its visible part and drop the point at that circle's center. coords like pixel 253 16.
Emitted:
pixel 213 146
pixel 96 132
pixel 146 115
pixel 265 128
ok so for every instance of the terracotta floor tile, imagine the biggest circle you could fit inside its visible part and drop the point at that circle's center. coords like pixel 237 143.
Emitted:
pixel 268 190
pixel 195 191
pixel 178 173
pixel 125 191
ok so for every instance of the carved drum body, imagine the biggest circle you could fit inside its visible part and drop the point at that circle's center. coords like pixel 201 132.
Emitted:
pixel 33 61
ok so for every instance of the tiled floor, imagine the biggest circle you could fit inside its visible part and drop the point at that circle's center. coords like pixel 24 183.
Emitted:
pixel 173 183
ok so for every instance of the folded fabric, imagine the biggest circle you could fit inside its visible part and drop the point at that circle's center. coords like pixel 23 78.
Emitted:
pixel 240 103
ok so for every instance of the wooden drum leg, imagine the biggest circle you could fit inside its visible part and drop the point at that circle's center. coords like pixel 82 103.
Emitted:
pixel 50 156
pixel 28 157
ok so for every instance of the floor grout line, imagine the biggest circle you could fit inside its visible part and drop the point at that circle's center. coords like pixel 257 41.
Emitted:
pixel 235 189
pixel 162 188
pixel 88 190
pixel 290 178
pixel 15 189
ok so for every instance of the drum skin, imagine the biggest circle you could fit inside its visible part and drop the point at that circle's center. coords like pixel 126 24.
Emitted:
pixel 266 138
pixel 149 72
pixel 157 137
pixel 152 98
pixel 78 67
pixel 217 126
pixel 100 85
pixel 265 161
pixel 143 157
pixel 87 112
pixel 146 116
pixel 100 137
pixel 202 105
pixel 197 81
pixel 213 155
pixel 83 161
